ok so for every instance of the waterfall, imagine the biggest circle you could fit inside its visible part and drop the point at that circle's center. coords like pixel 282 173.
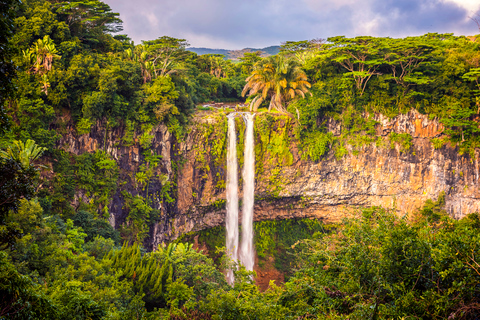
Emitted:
pixel 246 248
pixel 231 220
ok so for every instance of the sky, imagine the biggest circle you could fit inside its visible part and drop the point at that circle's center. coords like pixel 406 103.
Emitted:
pixel 237 24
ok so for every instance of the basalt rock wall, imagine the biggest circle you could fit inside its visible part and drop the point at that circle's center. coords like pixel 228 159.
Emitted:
pixel 129 158
pixel 376 175
pixel 329 189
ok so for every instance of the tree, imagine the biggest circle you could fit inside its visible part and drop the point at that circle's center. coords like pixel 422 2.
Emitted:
pixel 405 57
pixel 18 175
pixel 302 50
pixel 24 153
pixel 459 118
pixel 7 70
pixel 166 54
pixel 276 78
pixel 139 54
pixel 361 56
pixel 39 59
pixel 21 298
pixel 474 75
pixel 249 60
pixel 293 47
pixel 159 97
pixel 89 16
pixel 214 64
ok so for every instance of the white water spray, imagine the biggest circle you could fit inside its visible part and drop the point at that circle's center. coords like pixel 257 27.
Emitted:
pixel 231 220
pixel 246 248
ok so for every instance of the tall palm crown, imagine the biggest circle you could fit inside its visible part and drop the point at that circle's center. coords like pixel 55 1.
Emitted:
pixel 277 78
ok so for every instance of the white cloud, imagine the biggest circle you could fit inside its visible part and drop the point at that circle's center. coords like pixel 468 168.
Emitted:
pixel 472 6
pixel 233 24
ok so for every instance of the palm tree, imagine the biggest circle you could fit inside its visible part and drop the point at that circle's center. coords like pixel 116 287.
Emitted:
pixel 40 60
pixel 45 84
pixel 140 55
pixel 276 78
pixel 23 153
pixel 45 52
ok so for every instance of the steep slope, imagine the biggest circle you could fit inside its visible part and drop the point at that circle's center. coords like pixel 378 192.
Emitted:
pixel 287 186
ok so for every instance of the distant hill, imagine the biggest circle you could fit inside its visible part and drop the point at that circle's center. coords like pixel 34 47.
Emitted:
pixel 272 50
pixel 236 54
pixel 201 51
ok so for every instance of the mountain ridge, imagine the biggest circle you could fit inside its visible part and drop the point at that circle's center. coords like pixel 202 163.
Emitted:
pixel 235 54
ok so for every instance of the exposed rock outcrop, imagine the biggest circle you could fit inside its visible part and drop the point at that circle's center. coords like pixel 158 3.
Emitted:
pixel 376 176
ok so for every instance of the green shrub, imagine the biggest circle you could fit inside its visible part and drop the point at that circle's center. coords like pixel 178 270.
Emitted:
pixel 404 140
pixel 84 125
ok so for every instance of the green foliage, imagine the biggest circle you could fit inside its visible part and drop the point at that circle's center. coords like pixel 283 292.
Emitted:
pixel 316 145
pixel 21 297
pixel 88 18
pixel 61 188
pixel 23 153
pixel 34 116
pixel 7 27
pixel 404 140
pixel 246 302
pixel 18 184
pixel 57 262
pixel 94 227
pixel 264 238
pixel 19 178
pixel 76 236
pixel 77 304
pixel 278 238
pixel 356 130
pixel 249 60
pixel 379 265
pixel 88 167
pixel 127 138
pixel 213 238
pixel 462 128
pixel 434 73
pixel 211 150
pixel 84 126
pixel 178 293
pixel 438 142
pixel 276 78
pixel 140 215
pixel 146 138
pixel 116 91
pixel 159 96
pixel 173 275
pixel 274 143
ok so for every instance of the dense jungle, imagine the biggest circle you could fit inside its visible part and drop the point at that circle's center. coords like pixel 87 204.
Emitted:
pixel 113 174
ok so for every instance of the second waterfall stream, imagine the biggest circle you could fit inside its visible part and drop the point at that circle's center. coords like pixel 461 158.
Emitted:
pixel 246 252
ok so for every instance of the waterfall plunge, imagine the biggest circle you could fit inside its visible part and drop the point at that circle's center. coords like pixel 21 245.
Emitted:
pixel 246 248
pixel 231 220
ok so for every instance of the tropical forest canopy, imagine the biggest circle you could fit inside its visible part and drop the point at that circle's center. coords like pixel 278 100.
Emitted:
pixel 65 65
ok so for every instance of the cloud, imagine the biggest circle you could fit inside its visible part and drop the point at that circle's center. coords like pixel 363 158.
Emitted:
pixel 258 23
pixel 472 6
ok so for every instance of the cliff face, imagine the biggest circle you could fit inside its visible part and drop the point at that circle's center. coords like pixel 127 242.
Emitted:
pixel 129 159
pixel 375 175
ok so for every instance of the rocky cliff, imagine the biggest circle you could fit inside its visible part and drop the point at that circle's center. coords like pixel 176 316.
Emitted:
pixel 288 186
